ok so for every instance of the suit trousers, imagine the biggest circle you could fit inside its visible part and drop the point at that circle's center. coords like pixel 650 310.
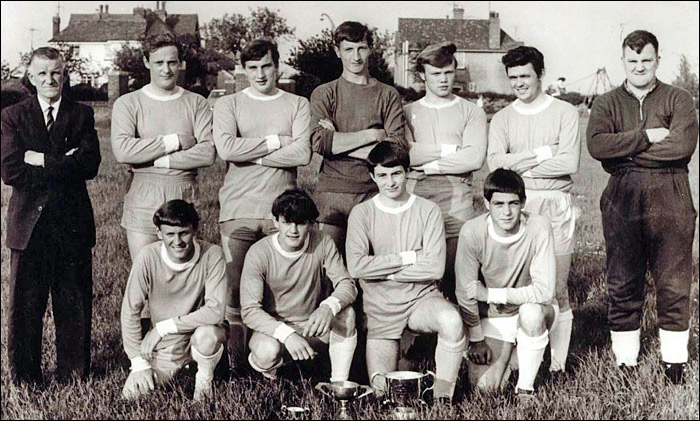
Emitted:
pixel 648 220
pixel 52 264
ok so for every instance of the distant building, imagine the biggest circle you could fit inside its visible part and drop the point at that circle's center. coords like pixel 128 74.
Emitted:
pixel 480 45
pixel 98 36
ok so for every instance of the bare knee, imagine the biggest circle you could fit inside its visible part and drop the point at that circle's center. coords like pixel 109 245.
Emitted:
pixel 450 326
pixel 267 352
pixel 343 323
pixel 532 320
pixel 208 339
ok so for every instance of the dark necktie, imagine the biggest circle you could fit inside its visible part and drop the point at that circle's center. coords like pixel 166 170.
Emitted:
pixel 49 121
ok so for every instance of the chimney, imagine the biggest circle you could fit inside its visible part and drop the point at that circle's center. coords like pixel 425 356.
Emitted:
pixel 157 5
pixel 106 9
pixel 160 10
pixel 56 25
pixel 101 11
pixel 494 31
pixel 457 11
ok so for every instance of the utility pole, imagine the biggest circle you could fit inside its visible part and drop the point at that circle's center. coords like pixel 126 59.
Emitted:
pixel 31 38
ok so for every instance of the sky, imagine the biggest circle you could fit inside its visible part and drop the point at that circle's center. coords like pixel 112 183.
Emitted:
pixel 576 38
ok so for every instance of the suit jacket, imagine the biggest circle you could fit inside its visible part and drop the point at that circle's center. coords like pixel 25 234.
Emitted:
pixel 57 188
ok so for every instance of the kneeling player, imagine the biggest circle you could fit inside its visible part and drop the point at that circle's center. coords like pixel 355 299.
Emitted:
pixel 396 246
pixel 283 298
pixel 184 281
pixel 513 253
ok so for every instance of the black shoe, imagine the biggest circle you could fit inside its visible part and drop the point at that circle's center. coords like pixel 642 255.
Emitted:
pixel 525 397
pixel 675 373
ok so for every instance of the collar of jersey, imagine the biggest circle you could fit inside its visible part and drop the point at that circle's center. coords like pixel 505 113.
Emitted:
pixel 149 93
pixel 518 106
pixel 249 92
pixel 293 255
pixel 179 267
pixel 505 240
pixel 400 209
pixel 426 104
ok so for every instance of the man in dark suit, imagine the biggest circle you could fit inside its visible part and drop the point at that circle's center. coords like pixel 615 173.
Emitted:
pixel 49 149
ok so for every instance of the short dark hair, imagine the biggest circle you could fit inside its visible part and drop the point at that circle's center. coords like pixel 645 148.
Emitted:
pixel 154 42
pixel 176 213
pixel 257 49
pixel 437 55
pixel 520 56
pixel 388 154
pixel 47 53
pixel 296 206
pixel 353 32
pixel 504 181
pixel 638 39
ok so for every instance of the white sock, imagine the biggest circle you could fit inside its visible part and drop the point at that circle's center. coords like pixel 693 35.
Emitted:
pixel 559 337
pixel 674 346
pixel 448 359
pixel 341 351
pixel 206 364
pixel 530 350
pixel 625 346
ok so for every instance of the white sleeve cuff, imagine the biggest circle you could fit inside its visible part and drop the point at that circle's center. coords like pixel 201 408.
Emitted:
pixel 334 305
pixel 171 142
pixel 431 168
pixel 282 332
pixel 527 174
pixel 476 333
pixel 543 153
pixel 273 142
pixel 448 150
pixel 166 327
pixel 497 296
pixel 408 257
pixel 139 364
pixel 258 161
pixel 162 162
pixel 391 277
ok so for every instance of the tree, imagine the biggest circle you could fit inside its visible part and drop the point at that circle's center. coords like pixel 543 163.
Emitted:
pixel 230 33
pixel 5 70
pixel 317 63
pixel 130 60
pixel 687 79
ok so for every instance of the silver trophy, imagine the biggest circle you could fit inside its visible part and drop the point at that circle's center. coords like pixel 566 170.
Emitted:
pixel 404 389
pixel 344 392
pixel 296 412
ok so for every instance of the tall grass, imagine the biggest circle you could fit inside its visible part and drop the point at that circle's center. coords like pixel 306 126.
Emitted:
pixel 593 389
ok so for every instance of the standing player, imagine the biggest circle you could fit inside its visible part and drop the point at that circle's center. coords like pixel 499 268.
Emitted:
pixel 163 132
pixel 282 297
pixel 184 281
pixel 447 135
pixel 396 246
pixel 262 133
pixel 644 133
pixel 349 116
pixel 537 136
pixel 511 252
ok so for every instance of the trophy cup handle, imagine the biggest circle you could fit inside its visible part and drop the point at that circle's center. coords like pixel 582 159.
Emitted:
pixel 284 408
pixel 374 376
pixel 431 374
pixel 367 391
pixel 322 387
pixel 307 411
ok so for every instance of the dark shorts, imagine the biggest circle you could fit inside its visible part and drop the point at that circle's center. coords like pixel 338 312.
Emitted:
pixel 334 208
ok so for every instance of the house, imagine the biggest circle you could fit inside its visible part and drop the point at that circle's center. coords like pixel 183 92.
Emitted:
pixel 98 36
pixel 480 45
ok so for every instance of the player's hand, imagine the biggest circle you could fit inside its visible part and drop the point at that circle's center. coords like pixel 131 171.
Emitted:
pixel 376 135
pixel 298 347
pixel 285 140
pixel 657 135
pixel 319 322
pixel 35 159
pixel 139 383
pixel 479 353
pixel 71 152
pixel 186 141
pixel 326 124
pixel 148 344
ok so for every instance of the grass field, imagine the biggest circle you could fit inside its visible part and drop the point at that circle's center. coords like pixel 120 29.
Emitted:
pixel 594 389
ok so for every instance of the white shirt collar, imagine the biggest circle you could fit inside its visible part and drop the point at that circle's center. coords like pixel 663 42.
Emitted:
pixel 522 109
pixel 292 255
pixel 400 209
pixel 151 93
pixel 248 91
pixel 45 106
pixel 426 104
pixel 509 239
pixel 179 267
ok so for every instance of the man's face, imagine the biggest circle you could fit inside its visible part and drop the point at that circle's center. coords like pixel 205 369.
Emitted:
pixel 391 181
pixel 164 65
pixel 640 68
pixel 354 55
pixel 47 76
pixel 524 82
pixel 179 242
pixel 291 235
pixel 262 74
pixel 504 210
pixel 439 80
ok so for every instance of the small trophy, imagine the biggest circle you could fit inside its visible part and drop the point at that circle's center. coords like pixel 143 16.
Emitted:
pixel 344 392
pixel 296 412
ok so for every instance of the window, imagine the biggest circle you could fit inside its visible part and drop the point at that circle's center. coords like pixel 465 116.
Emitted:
pixel 472 87
pixel 461 60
